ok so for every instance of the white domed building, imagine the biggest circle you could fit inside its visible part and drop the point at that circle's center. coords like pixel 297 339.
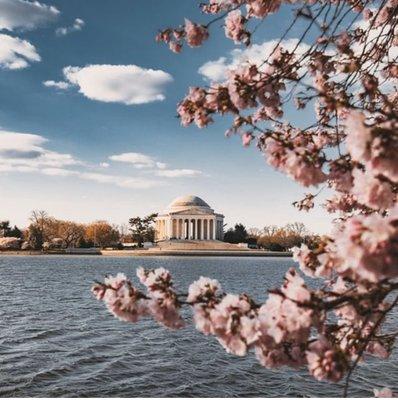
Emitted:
pixel 189 218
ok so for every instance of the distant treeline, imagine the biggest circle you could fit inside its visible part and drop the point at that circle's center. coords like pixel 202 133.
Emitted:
pixel 46 232
pixel 272 237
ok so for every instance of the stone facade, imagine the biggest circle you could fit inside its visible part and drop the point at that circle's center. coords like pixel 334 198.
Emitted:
pixel 189 218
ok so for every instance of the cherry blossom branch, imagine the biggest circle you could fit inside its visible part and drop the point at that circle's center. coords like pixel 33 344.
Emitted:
pixel 348 73
pixel 280 325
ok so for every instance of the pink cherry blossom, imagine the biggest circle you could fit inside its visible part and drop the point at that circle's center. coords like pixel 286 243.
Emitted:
pixel 358 137
pixel 294 287
pixel 201 315
pixel 226 319
pixel 175 47
pixel 203 289
pixel 384 392
pixel 276 356
pixel 372 192
pixel 340 177
pixel 163 303
pixel 293 162
pixel 121 298
pixel 235 27
pixel 247 137
pixel 377 349
pixel 325 362
pixel 384 153
pixel 368 247
pixel 343 203
pixel 282 317
pixel 314 264
pixel 195 34
pixel 260 8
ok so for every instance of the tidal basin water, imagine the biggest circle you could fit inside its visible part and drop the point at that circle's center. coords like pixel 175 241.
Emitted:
pixel 57 340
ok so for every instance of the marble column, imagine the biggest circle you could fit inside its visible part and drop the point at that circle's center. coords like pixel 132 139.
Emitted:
pixel 199 229
pixel 197 221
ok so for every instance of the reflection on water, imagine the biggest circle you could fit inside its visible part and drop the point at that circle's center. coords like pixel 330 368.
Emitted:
pixel 57 340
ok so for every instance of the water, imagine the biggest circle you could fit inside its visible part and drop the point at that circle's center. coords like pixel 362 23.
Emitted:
pixel 57 340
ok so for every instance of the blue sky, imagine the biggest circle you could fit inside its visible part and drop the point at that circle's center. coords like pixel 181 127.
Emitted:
pixel 79 166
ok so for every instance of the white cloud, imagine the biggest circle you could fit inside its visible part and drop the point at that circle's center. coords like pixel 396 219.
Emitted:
pixel 12 168
pixel 58 172
pixel 16 53
pixel 217 70
pixel 27 153
pixel 23 14
pixel 178 173
pixel 139 160
pixel 78 25
pixel 25 150
pixel 58 85
pixel 126 84
pixel 161 165
pixel 121 181
pixel 20 141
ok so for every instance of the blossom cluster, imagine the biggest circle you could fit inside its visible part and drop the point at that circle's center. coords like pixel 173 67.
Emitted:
pixel 129 304
pixel 290 328
pixel 346 78
pixel 194 34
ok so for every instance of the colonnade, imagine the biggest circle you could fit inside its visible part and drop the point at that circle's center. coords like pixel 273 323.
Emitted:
pixel 189 228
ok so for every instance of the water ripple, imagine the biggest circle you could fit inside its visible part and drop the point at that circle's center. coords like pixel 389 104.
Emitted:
pixel 56 340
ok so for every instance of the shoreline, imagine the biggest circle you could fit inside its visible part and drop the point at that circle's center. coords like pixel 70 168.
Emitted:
pixel 157 253
pixel 195 253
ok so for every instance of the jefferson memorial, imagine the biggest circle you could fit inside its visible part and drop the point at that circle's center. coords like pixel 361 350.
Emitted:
pixel 189 218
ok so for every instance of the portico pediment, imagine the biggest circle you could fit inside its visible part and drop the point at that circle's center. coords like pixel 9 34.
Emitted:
pixel 191 212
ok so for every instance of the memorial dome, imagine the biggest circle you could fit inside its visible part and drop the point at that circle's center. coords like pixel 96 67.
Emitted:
pixel 187 202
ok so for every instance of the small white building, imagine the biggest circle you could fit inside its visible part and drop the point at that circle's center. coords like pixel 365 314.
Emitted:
pixel 189 218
